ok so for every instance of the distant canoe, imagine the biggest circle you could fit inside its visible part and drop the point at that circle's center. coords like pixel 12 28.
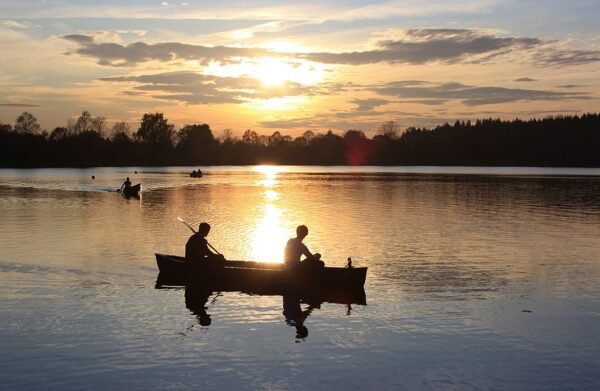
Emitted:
pixel 132 191
pixel 260 277
pixel 196 174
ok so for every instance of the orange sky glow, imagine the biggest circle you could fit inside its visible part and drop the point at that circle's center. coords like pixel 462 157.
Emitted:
pixel 291 68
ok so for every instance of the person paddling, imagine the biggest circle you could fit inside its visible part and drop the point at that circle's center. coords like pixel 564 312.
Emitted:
pixel 294 249
pixel 197 248
pixel 126 184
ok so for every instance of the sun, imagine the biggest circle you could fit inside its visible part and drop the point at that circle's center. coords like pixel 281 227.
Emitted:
pixel 273 71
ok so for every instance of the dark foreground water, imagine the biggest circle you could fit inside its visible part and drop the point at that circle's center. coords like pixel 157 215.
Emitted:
pixel 478 279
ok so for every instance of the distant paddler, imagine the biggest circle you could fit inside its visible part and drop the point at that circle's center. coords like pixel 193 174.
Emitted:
pixel 126 185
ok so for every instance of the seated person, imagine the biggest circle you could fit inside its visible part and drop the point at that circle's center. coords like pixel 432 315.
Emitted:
pixel 126 184
pixel 294 249
pixel 196 248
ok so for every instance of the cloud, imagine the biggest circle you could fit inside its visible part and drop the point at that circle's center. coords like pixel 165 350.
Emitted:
pixel 23 105
pixel 367 105
pixel 195 88
pixel 341 121
pixel 419 46
pixel 82 40
pixel 555 57
pixel 13 24
pixel 469 95
pixel 117 55
pixel 525 79
pixel 569 86
pixel 138 32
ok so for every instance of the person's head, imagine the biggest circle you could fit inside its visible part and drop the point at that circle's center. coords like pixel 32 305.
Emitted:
pixel 301 231
pixel 127 178
pixel 203 229
pixel 204 320
pixel 301 331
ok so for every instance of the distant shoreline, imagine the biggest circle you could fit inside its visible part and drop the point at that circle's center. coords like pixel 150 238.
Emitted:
pixel 563 141
pixel 367 169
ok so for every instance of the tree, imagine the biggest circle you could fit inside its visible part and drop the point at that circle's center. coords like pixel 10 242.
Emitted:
pixel 275 139
pixel 309 135
pixel 196 144
pixel 4 128
pixel 357 148
pixel 98 125
pixel 155 129
pixel 389 129
pixel 59 133
pixel 26 123
pixel 86 123
pixel 227 136
pixel 250 137
pixel 120 128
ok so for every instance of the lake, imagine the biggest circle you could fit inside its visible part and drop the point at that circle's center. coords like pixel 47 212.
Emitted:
pixel 479 278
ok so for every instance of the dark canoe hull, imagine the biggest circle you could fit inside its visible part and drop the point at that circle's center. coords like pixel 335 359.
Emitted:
pixel 132 191
pixel 265 278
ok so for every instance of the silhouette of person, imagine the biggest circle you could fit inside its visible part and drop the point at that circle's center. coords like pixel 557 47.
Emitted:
pixel 295 316
pixel 294 249
pixel 195 301
pixel 196 248
pixel 126 184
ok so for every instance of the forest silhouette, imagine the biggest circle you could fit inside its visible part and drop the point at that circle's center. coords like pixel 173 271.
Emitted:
pixel 559 141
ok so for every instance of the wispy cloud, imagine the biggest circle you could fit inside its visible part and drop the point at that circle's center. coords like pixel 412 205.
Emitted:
pixel 13 24
pixel 559 58
pixel 525 80
pixel 423 92
pixel 22 105
pixel 418 46
pixel 368 105
pixel 194 88
pixel 117 55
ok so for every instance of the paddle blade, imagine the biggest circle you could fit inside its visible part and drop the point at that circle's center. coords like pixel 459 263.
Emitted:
pixel 186 224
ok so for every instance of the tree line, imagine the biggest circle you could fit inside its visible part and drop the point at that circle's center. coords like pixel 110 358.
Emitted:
pixel 566 141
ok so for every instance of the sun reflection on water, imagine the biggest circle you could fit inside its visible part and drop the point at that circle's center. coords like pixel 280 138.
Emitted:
pixel 270 173
pixel 269 235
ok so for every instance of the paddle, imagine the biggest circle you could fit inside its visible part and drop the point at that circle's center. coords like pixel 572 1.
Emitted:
pixel 194 231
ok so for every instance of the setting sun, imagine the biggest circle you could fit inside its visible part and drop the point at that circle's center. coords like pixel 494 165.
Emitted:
pixel 273 71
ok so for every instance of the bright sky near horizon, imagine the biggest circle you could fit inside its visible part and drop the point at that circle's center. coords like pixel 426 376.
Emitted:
pixel 294 66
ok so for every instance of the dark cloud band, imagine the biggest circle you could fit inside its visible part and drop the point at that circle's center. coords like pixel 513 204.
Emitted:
pixel 417 46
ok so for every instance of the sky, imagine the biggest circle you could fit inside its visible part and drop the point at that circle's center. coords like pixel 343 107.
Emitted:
pixel 272 65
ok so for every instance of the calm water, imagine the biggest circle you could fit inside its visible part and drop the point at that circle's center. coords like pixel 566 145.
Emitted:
pixel 478 279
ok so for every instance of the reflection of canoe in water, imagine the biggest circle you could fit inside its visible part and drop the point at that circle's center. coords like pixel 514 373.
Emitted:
pixel 132 191
pixel 263 278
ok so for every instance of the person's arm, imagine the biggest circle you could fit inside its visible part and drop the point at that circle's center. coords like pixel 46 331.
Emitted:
pixel 205 250
pixel 305 251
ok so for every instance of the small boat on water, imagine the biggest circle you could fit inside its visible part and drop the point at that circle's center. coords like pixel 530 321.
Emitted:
pixel 196 174
pixel 260 277
pixel 132 191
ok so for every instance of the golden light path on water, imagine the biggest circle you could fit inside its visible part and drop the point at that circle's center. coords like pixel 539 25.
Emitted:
pixel 270 235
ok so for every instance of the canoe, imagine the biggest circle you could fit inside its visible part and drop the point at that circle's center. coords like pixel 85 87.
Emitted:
pixel 132 191
pixel 259 277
